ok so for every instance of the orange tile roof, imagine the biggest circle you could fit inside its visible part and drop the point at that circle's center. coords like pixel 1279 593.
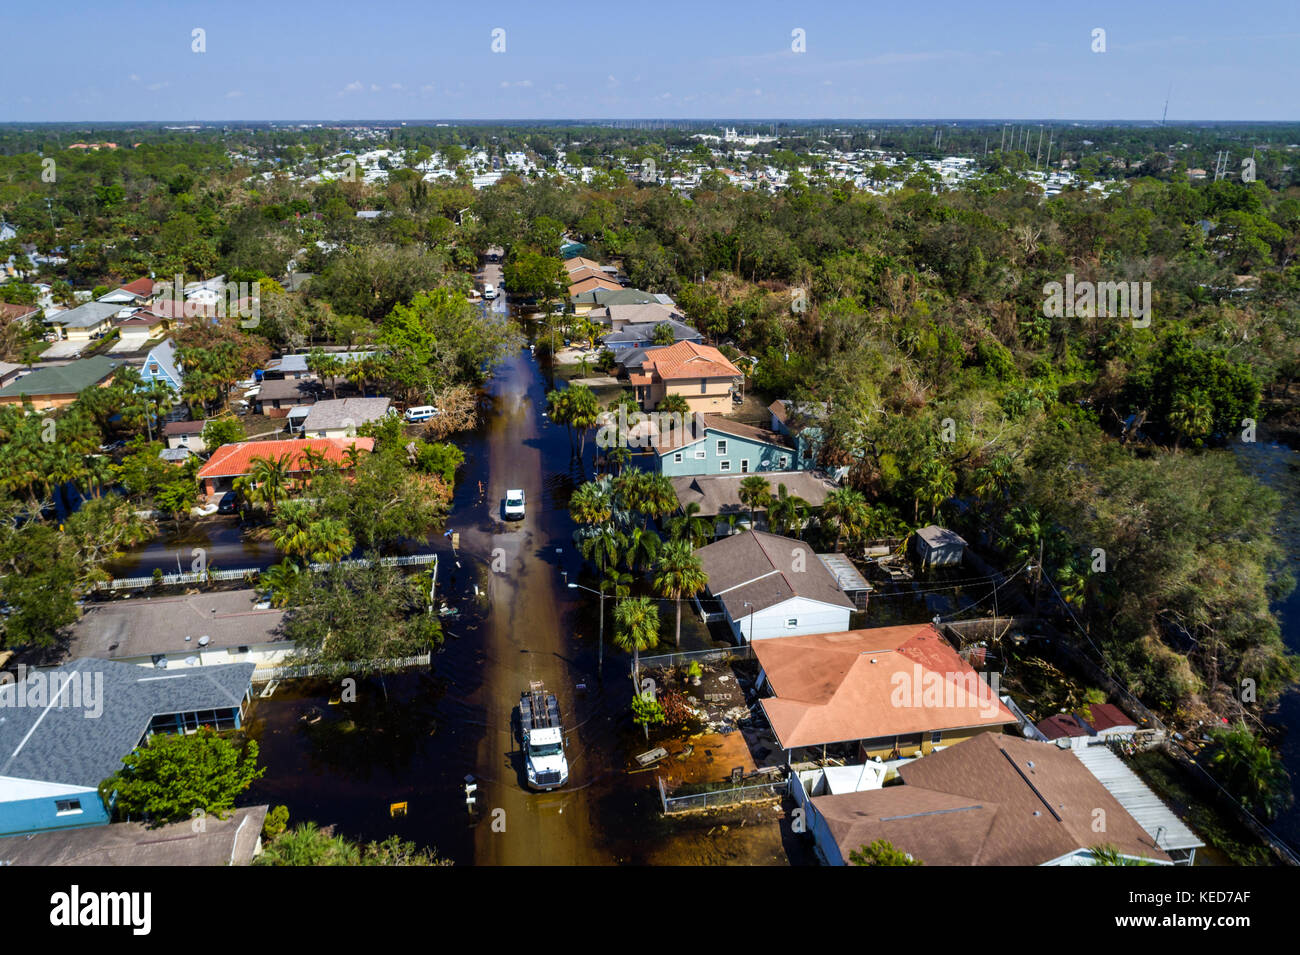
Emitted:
pixel 689 360
pixel 236 460
pixel 591 283
pixel 866 684
pixel 580 262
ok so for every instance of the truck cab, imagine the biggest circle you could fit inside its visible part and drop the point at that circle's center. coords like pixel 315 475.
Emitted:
pixel 545 764
pixel 514 505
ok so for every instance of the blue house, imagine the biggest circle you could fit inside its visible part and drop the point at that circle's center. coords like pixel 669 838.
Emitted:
pixel 160 365
pixel 713 445
pixel 798 422
pixel 64 731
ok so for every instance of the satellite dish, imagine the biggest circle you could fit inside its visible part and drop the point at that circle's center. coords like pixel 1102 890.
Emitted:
pixel 204 640
pixel 192 661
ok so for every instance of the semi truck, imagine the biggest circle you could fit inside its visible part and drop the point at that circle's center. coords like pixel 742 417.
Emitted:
pixel 542 738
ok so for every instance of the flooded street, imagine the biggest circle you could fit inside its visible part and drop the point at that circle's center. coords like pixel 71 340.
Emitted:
pixel 413 737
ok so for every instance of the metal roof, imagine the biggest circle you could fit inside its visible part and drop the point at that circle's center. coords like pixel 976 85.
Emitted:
pixel 1137 799
pixel 846 575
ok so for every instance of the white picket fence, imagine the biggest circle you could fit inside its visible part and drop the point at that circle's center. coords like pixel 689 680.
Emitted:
pixel 197 577
pixel 267 674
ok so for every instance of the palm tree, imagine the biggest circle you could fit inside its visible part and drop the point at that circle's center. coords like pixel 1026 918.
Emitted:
pixel 674 403
pixel 643 546
pixel 689 526
pixel 755 494
pixel 1191 416
pixel 617 457
pixel 268 480
pixel 787 512
pixel 591 504
pixel 292 534
pixel 280 580
pixel 849 510
pixel 602 546
pixel 636 628
pixel 658 498
pixel 680 575
pixel 330 541
pixel 935 484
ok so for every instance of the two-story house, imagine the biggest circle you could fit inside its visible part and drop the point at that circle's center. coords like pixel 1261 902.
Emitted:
pixel 699 373
pixel 714 445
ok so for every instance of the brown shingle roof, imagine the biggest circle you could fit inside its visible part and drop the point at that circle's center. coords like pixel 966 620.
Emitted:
pixel 763 570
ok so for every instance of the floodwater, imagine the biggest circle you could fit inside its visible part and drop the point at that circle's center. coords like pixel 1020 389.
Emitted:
pixel 414 737
pixel 1278 466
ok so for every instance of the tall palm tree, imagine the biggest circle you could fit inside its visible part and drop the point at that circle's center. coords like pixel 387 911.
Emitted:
pixel 674 403
pixel 680 575
pixel 755 494
pixel 636 628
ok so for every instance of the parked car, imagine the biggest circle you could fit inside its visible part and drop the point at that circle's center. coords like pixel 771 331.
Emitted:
pixel 420 413
pixel 229 503
pixel 514 508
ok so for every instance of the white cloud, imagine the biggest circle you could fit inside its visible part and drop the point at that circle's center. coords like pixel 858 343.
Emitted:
pixel 354 87
pixel 134 78
pixel 395 86
pixel 234 94
pixel 159 86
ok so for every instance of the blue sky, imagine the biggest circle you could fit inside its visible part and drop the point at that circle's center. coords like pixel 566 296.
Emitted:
pixel 864 59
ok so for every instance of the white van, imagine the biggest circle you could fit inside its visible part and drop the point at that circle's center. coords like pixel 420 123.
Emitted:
pixel 420 413
pixel 489 291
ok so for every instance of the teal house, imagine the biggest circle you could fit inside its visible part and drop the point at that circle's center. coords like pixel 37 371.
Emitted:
pixel 64 731
pixel 160 365
pixel 716 445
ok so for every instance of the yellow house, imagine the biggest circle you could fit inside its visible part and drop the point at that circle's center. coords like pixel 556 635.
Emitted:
pixel 699 373
pixel 84 322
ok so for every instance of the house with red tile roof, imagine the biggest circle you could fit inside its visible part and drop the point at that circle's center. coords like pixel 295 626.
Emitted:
pixel 699 373
pixel 232 461
pixel 887 692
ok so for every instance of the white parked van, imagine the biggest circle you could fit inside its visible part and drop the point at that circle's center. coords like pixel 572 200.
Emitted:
pixel 489 291
pixel 420 413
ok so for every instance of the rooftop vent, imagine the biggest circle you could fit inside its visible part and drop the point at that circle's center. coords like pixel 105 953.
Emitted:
pixel 204 640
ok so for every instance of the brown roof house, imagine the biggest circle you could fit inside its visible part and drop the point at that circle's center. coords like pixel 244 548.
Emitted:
pixel 886 691
pixel 768 586
pixel 992 800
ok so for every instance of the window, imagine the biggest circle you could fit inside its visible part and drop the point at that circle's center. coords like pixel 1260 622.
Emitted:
pixel 936 736
pixel 704 386
pixel 744 465
pixel 724 466
pixel 785 461
pixel 722 446
pixel 700 453
pixel 791 622
pixel 677 458
pixel 67 807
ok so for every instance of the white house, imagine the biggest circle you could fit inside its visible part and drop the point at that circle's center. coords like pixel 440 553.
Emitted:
pixel 770 586
pixel 191 631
